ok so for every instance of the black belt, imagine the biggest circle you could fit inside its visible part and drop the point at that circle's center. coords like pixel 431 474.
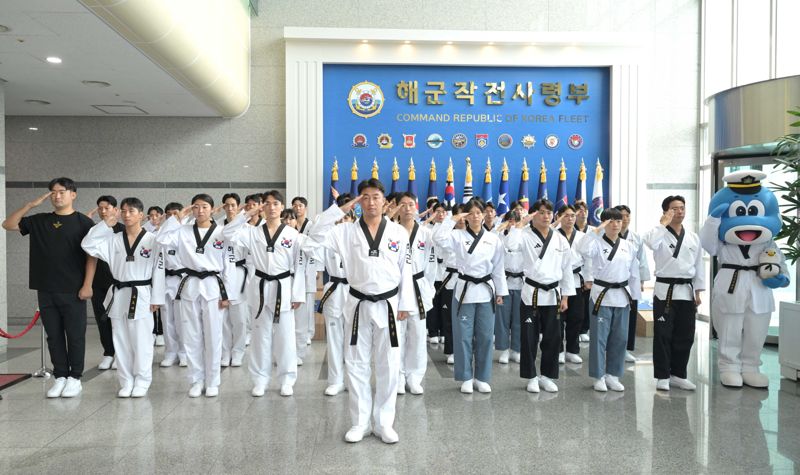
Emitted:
pixel 736 269
pixel 132 284
pixel 336 281
pixel 375 298
pixel 578 270
pixel 223 294
pixel 537 286
pixel 515 274
pixel 420 305
pixel 276 316
pixel 175 272
pixel 451 271
pixel 606 286
pixel 672 282
pixel 241 264
pixel 468 279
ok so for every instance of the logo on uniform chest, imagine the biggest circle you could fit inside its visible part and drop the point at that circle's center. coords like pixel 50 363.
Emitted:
pixel 146 253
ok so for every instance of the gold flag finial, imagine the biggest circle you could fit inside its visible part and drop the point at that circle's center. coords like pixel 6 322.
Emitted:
pixel 433 170
pixel 412 172
pixel 395 171
pixel 354 170
pixel 563 172
pixel 375 168
pixel 525 175
pixel 450 171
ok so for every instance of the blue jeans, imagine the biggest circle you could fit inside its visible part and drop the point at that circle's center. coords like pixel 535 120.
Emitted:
pixel 507 317
pixel 473 327
pixel 609 338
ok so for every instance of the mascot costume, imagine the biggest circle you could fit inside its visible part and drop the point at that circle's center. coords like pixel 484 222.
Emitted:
pixel 740 230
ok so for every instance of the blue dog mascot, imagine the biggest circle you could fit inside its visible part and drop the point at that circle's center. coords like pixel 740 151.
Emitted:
pixel 743 220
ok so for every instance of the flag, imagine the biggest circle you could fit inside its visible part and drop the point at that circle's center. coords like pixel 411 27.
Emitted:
pixel 354 178
pixel 395 177
pixel 580 189
pixel 334 181
pixel 487 182
pixel 502 198
pixel 561 193
pixel 449 189
pixel 412 180
pixel 432 183
pixel 467 182
pixel 375 169
pixel 523 186
pixel 542 193
pixel 597 196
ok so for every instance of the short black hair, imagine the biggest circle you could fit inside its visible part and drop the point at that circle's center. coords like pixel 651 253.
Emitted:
pixel 431 203
pixel 157 209
pixel 457 208
pixel 203 197
pixel 343 199
pixel 548 205
pixel 438 204
pixel 511 215
pixel 514 204
pixel 132 202
pixel 275 195
pixel 288 213
pixel 479 200
pixel 108 199
pixel 623 208
pixel 301 199
pixel 405 194
pixel 254 197
pixel 371 183
pixel 611 213
pixel 563 209
pixel 392 197
pixel 172 205
pixel 67 183
pixel 670 199
pixel 489 204
pixel 580 204
pixel 235 196
pixel 472 203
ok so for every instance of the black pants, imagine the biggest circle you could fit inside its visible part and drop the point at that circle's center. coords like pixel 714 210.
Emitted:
pixel 64 319
pixel 433 319
pixel 103 324
pixel 446 315
pixel 673 337
pixel 572 322
pixel 632 325
pixel 544 320
pixel 158 328
pixel 586 309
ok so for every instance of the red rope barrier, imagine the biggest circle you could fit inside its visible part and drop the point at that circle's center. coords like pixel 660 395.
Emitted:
pixel 5 334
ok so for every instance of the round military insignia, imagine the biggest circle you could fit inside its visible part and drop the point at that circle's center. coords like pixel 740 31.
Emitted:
pixel 528 141
pixel 359 141
pixel 551 141
pixel 219 244
pixel 434 141
pixel 385 141
pixel 365 99
pixel 505 141
pixel 394 246
pixel 287 243
pixel 575 141
pixel 145 253
pixel 459 140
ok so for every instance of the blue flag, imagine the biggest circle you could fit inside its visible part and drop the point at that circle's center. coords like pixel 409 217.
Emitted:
pixel 523 186
pixel 354 178
pixel 334 181
pixel 561 193
pixel 597 208
pixel 502 198
pixel 487 182
pixel 542 193
pixel 432 183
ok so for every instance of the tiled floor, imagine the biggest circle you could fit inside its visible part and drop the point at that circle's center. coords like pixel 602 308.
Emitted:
pixel 711 430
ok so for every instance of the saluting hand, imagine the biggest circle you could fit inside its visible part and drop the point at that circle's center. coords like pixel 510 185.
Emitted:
pixel 350 205
pixel 458 218
pixel 334 193
pixel 91 213
pixel 527 219
pixel 599 229
pixel 40 199
pixel 255 210
pixel 112 218
pixel 666 218
pixel 186 211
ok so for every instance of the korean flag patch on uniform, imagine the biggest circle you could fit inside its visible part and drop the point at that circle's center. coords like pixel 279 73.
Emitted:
pixel 219 244
pixel 145 253
pixel 287 243
pixel 394 246
pixel 421 245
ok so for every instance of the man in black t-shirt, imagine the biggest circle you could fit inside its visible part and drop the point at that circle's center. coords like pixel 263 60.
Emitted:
pixel 62 274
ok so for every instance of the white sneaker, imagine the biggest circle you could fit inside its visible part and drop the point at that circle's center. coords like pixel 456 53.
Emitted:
pixel 503 359
pixel 247 340
pixel 114 364
pixel 434 340
pixel 258 390
pixel 167 362
pixel 334 389
pixel 662 385
pixel 356 434
pixel 237 361
pixel 515 356
pixel 387 435
pixel 139 391
pixel 548 384
pixel 57 388
pixel 562 358
pixel 573 358
pixel 613 383
pixel 401 385
pixel 225 362
pixel 466 387
pixel 196 390
pixel 159 340
pixel 533 385
pixel 125 392
pixel 72 388
pixel 212 391
pixel 451 359
pixel 441 339
pixel 299 362
pixel 287 390
pixel 600 385
pixel 106 363
pixel 482 387
pixel 682 383
pixel 182 362
pixel 415 388
pixel 583 338
pixel 629 358
pixel 308 341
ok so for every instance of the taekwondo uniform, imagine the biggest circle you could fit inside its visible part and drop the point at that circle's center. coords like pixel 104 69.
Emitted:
pixel 584 335
pixel 547 264
pixel 679 274
pixel 616 284
pixel 204 254
pixel 644 276
pixel 234 326
pixel 277 260
pixel 304 316
pixel 443 297
pixel 138 273
pixel 572 320
pixel 174 349
pixel 380 276
pixel 507 314
pixel 433 321
pixel 481 277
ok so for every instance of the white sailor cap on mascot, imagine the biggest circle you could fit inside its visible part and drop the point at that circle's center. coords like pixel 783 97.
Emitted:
pixel 743 220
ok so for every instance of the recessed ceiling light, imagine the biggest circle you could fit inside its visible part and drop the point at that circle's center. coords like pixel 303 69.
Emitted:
pixel 246 166
pixel 4 29
pixel 207 144
pixel 54 60
pixel 37 102
pixel 490 43
pixel 449 42
pixel 96 83
pixel 365 41
pixel 33 128
pixel 408 42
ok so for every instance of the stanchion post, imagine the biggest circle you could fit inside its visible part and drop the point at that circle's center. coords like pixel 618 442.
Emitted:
pixel 44 371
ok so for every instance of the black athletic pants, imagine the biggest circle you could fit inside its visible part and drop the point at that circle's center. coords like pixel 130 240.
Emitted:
pixel 572 322
pixel 103 324
pixel 64 318
pixel 544 320
pixel 673 337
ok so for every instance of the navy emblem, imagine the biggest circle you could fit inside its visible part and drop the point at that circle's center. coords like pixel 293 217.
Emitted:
pixel 551 141
pixel 434 141
pixel 359 141
pixel 505 141
pixel 575 141
pixel 385 141
pixel 365 99
pixel 459 140
pixel 528 141
pixel 482 140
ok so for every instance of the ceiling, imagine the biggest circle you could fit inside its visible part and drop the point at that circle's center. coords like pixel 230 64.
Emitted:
pixel 90 51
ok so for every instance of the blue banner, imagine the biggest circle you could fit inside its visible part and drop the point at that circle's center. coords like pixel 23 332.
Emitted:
pixel 377 113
